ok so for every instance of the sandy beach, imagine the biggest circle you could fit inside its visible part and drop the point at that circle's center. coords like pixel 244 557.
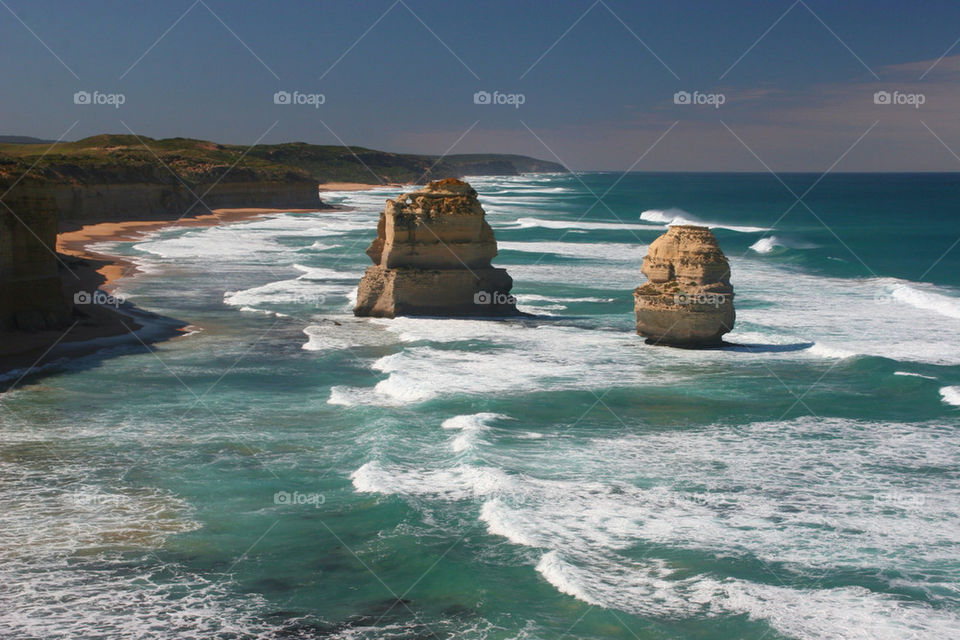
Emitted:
pixel 358 186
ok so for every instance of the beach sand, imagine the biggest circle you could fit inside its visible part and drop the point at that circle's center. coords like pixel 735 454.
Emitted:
pixel 358 186
pixel 96 326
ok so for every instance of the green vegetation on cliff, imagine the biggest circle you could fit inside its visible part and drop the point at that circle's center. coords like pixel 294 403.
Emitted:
pixel 128 159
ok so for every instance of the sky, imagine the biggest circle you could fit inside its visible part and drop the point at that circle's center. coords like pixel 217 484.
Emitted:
pixel 774 85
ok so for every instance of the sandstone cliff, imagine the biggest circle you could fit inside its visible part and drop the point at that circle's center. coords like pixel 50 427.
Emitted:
pixel 81 204
pixel 31 296
pixel 432 256
pixel 125 177
pixel 688 300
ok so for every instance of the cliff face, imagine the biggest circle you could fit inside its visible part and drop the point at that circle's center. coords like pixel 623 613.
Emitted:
pixel 87 203
pixel 688 300
pixel 31 296
pixel 432 256
pixel 110 178
pixel 125 177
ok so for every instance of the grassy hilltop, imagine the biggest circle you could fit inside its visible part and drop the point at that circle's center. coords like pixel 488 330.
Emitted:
pixel 118 159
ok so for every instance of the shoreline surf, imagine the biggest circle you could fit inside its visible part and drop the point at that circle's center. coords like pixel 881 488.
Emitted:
pixel 102 327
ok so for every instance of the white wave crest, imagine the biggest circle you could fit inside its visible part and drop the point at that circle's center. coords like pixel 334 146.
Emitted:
pixel 770 243
pixel 927 300
pixel 671 217
pixel 470 427
pixel 564 577
pixel 951 395
pixel 824 351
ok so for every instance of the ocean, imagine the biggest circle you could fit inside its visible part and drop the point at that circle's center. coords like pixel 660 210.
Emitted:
pixel 287 470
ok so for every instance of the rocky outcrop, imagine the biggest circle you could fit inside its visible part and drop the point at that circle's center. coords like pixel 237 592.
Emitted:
pixel 31 296
pixel 432 257
pixel 688 301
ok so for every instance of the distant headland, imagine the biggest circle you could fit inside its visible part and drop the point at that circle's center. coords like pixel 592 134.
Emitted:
pixel 126 177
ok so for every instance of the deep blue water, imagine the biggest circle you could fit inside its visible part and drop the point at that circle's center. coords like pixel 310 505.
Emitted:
pixel 288 470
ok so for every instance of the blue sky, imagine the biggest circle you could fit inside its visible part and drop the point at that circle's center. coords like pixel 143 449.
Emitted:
pixel 598 79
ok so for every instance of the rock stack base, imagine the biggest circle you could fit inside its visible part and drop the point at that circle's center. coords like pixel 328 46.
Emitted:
pixel 432 258
pixel 688 301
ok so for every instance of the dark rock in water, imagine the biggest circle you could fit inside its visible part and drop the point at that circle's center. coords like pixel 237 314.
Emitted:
pixel 688 301
pixel 432 258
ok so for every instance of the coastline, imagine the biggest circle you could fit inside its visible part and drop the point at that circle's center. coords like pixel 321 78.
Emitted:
pixel 76 242
pixel 96 327
pixel 359 186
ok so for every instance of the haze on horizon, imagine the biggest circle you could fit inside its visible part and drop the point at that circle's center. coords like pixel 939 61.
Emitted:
pixel 805 85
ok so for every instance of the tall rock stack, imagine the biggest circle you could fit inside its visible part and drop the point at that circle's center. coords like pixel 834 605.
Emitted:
pixel 432 257
pixel 688 301
pixel 31 294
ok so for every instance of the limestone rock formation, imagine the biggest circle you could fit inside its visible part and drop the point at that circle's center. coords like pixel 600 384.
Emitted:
pixel 688 301
pixel 31 298
pixel 432 258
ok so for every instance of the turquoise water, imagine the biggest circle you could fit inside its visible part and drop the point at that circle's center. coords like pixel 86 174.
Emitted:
pixel 289 471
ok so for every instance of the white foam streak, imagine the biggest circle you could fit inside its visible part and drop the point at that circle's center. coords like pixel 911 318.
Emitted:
pixel 528 223
pixel 463 482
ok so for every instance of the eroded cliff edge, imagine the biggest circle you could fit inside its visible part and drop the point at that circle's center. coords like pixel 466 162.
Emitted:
pixel 688 301
pixel 31 295
pixel 112 178
pixel 432 257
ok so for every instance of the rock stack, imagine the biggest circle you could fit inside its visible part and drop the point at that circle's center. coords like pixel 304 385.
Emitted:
pixel 688 301
pixel 432 257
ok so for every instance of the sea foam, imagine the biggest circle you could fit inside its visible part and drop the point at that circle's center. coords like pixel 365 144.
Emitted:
pixel 527 223
pixel 762 504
